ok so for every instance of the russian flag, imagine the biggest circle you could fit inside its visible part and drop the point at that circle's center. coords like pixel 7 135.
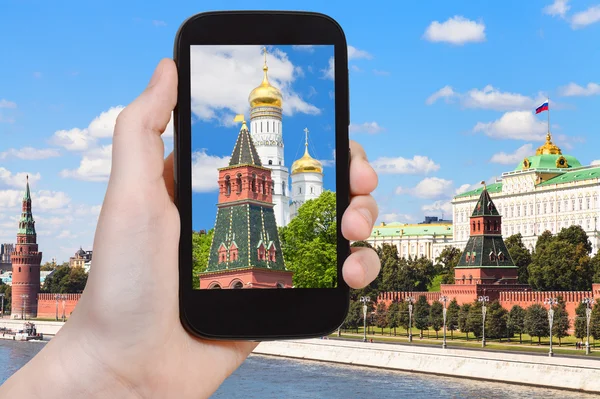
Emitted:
pixel 542 108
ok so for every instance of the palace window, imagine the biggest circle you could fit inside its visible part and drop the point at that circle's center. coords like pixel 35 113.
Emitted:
pixel 518 210
pixel 267 127
pixel 261 253
pixel 587 203
pixel 495 225
pixel 264 185
pixel 531 208
pixel 19 269
pixel 299 190
pixel 538 209
pixel 478 226
pixel 545 208
pixel 580 203
pixel 283 188
pixel 261 127
pixel 552 207
pixel 573 204
pixel 270 162
pixel 512 211
pixel 312 190
pixel 492 256
pixel 589 222
pixel 558 206
pixel 253 183
pixel 272 254
pixel 487 227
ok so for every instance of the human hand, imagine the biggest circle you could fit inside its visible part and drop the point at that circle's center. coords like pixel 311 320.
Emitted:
pixel 125 338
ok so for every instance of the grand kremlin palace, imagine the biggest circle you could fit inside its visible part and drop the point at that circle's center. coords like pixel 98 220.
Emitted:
pixel 545 191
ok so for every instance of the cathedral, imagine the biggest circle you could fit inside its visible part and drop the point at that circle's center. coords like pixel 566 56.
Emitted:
pixel 266 130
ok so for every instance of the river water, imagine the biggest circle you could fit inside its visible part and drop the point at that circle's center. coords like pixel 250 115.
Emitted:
pixel 274 378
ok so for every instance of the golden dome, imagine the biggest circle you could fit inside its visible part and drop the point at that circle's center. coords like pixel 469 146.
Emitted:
pixel 307 164
pixel 548 147
pixel 265 95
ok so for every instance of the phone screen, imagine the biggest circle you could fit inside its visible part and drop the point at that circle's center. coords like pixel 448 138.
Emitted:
pixel 263 167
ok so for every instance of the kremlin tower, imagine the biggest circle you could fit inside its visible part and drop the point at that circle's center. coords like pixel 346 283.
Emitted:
pixel 267 134
pixel 307 179
pixel 245 251
pixel 26 262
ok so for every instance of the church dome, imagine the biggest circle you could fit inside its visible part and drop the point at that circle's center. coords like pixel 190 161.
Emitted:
pixel 307 164
pixel 265 95
pixel 549 156
pixel 548 147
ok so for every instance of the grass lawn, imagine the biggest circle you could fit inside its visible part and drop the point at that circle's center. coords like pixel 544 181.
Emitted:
pixel 460 341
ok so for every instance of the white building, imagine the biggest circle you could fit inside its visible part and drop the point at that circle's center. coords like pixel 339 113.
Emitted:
pixel 426 239
pixel 266 130
pixel 307 179
pixel 546 191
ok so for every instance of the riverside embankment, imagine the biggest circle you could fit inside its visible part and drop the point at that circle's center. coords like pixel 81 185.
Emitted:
pixel 579 374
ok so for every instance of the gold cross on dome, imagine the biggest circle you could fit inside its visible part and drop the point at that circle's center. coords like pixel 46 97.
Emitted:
pixel 264 50
pixel 306 136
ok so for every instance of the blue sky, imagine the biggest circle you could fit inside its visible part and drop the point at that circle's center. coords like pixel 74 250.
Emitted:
pixel 442 95
pixel 222 77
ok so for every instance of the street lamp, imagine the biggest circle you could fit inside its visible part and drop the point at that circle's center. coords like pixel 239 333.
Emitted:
pixel 365 300
pixel 23 313
pixel 588 316
pixel 57 297
pixel 444 300
pixel 410 300
pixel 483 299
pixel 63 297
pixel 2 295
pixel 550 302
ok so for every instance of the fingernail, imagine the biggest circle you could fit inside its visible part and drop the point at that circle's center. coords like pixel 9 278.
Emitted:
pixel 366 214
pixel 156 75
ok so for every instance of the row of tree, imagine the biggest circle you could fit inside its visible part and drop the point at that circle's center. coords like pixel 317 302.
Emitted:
pixel 468 319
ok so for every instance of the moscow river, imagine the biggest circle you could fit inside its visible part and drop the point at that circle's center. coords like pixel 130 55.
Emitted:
pixel 270 378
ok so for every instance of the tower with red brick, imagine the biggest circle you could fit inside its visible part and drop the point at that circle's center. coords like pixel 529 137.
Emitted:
pixel 485 259
pixel 245 251
pixel 26 260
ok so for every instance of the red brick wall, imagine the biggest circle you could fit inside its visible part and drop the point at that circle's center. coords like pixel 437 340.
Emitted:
pixel 47 305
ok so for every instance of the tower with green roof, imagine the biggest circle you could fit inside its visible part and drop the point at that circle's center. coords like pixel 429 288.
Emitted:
pixel 245 250
pixel 485 259
pixel 26 260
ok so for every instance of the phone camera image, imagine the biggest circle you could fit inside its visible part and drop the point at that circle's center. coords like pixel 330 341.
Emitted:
pixel 263 167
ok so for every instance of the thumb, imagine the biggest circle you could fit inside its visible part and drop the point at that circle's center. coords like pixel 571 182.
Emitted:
pixel 138 150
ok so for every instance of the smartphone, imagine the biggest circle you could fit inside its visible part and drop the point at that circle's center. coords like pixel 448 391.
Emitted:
pixel 262 174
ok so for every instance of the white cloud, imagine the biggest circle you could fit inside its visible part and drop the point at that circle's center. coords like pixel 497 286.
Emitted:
pixel 445 92
pixel 50 200
pixel 223 76
pixel 487 98
pixel 94 166
pixel 432 187
pixel 573 89
pixel 463 189
pixel 366 127
pixel 30 153
pixel 205 175
pixel 73 140
pixel 456 30
pixel 437 206
pixel 103 125
pixel 329 73
pixel 395 217
pixel 354 54
pixel 585 18
pixel 558 8
pixel 17 179
pixel 309 48
pixel 517 156
pixel 10 198
pixel 7 104
pixel 417 165
pixel 595 162
pixel 516 125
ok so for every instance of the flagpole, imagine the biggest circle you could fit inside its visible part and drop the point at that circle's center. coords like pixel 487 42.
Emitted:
pixel 548 115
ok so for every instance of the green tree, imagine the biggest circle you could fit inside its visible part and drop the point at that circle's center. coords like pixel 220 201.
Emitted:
pixel 520 256
pixel 595 321
pixel 7 291
pixel 421 314
pixel 445 263
pixel 595 265
pixel 309 243
pixel 53 282
pixel 388 255
pixel 560 323
pixel 74 281
pixel 201 242
pixel 575 235
pixel 354 316
pixel 48 266
pixel 463 319
pixel 475 320
pixel 580 322
pixel 536 322
pixel 436 317
pixel 393 316
pixel 381 316
pixel 516 321
pixel 544 239
pixel 452 317
pixel 403 316
pixel 496 321
pixel 561 266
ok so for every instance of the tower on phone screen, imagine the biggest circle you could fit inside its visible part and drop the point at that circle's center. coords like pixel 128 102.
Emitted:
pixel 263 167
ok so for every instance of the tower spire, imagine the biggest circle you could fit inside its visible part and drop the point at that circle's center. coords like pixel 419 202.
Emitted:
pixel 306 138
pixel 265 67
pixel 27 196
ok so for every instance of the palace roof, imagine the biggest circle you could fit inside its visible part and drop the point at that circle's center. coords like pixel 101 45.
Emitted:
pixel 401 229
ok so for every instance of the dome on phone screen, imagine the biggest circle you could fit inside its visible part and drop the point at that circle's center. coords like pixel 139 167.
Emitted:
pixel 265 95
pixel 307 164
